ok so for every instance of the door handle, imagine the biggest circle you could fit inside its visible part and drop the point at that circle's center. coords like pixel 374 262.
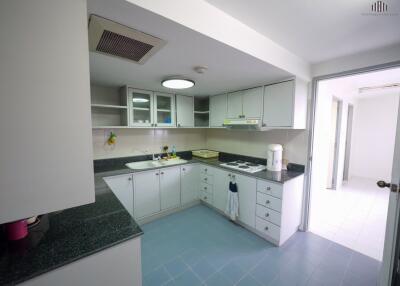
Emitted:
pixel 393 187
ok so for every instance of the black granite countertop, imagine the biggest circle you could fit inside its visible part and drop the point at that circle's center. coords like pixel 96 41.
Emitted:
pixel 66 236
pixel 117 166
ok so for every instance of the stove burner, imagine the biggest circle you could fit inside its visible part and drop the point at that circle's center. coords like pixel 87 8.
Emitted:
pixel 243 167
pixel 240 162
pixel 251 164
pixel 232 164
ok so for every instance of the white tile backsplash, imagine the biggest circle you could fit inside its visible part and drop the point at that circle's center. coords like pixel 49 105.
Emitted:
pixel 131 142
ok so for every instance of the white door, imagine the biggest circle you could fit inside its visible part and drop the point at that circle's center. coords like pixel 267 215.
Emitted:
pixel 184 111
pixel 278 104
pixel 218 108
pixel 164 110
pixel 247 188
pixel 253 102
pixel 390 266
pixel 140 104
pixel 122 187
pixel 235 104
pixel 189 183
pixel 221 186
pixel 147 193
pixel 170 187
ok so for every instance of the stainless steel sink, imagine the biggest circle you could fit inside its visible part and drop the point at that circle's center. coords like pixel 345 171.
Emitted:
pixel 149 164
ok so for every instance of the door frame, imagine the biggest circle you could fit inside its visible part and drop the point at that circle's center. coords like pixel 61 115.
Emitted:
pixel 339 113
pixel 349 130
pixel 390 242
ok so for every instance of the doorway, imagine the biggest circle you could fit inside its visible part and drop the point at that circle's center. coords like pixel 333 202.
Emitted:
pixel 352 148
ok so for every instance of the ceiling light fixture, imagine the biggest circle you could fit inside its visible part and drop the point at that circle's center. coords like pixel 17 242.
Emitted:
pixel 177 83
pixel 140 99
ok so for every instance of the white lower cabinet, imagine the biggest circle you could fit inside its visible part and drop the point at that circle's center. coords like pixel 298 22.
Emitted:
pixel 122 187
pixel 247 198
pixel 147 193
pixel 170 187
pixel 221 186
pixel 189 183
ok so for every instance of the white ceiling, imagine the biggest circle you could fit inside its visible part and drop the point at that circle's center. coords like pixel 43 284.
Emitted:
pixel 348 87
pixel 228 68
pixel 318 30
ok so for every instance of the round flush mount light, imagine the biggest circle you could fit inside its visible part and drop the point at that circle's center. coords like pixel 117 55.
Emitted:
pixel 139 99
pixel 177 83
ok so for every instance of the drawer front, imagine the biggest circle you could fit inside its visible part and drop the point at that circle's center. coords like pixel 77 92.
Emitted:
pixel 269 201
pixel 271 189
pixel 206 170
pixel 268 228
pixel 268 214
pixel 206 197
pixel 206 188
pixel 207 179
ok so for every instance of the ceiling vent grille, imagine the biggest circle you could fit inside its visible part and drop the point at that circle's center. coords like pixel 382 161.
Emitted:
pixel 111 38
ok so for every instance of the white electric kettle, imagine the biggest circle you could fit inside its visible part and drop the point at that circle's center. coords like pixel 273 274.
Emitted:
pixel 274 157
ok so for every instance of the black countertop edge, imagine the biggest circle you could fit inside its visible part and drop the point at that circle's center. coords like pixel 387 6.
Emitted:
pixel 66 236
pixel 113 167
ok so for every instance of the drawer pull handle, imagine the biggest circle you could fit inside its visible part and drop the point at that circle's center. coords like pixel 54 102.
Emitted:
pixel 268 188
pixel 267 215
pixel 183 169
pixel 229 175
pixel 205 179
pixel 162 173
pixel 129 179
pixel 266 228
pixel 267 202
pixel 205 188
pixel 156 174
pixel 205 198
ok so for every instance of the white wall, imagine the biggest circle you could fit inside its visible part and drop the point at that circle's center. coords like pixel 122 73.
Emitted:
pixel 374 130
pixel 359 60
pixel 254 143
pixel 45 126
pixel 132 142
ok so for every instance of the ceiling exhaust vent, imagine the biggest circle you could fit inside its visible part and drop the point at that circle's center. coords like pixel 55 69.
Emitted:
pixel 111 38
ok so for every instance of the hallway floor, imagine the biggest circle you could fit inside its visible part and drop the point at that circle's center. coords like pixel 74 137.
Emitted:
pixel 200 247
pixel 353 216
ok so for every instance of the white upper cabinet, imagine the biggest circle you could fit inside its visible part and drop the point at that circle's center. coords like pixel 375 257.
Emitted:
pixel 184 111
pixel 170 187
pixel 122 187
pixel 218 109
pixel 245 103
pixel 252 102
pixel 285 104
pixel 150 109
pixel 164 109
pixel 141 107
pixel 189 183
pixel 146 193
pixel 235 104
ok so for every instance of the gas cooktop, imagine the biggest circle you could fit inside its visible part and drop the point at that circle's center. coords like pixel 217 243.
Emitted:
pixel 244 166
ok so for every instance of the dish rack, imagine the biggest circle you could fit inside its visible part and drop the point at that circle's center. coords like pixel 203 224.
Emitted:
pixel 205 154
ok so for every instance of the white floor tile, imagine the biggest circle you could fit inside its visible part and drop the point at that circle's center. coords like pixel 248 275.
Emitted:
pixel 353 216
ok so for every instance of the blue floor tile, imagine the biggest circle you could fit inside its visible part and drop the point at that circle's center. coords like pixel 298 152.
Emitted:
pixel 187 278
pixel 199 246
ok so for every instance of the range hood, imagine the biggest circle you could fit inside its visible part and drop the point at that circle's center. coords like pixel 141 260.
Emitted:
pixel 243 124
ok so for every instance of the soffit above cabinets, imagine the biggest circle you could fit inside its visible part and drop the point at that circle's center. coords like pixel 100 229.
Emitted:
pixel 228 68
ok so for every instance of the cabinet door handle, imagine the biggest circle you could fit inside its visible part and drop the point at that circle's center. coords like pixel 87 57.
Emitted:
pixel 129 179
pixel 205 188
pixel 179 125
pixel 205 179
pixel 155 124
pixel 205 198
pixel 266 228
pixel 267 215
pixel 162 173
pixel 263 125
pixel 267 202
pixel 183 169
pixel 229 175
pixel 156 174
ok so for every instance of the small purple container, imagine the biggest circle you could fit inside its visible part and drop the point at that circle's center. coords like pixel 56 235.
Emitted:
pixel 17 230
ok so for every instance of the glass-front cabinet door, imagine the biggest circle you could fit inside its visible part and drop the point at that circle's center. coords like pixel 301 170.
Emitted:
pixel 164 111
pixel 141 107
